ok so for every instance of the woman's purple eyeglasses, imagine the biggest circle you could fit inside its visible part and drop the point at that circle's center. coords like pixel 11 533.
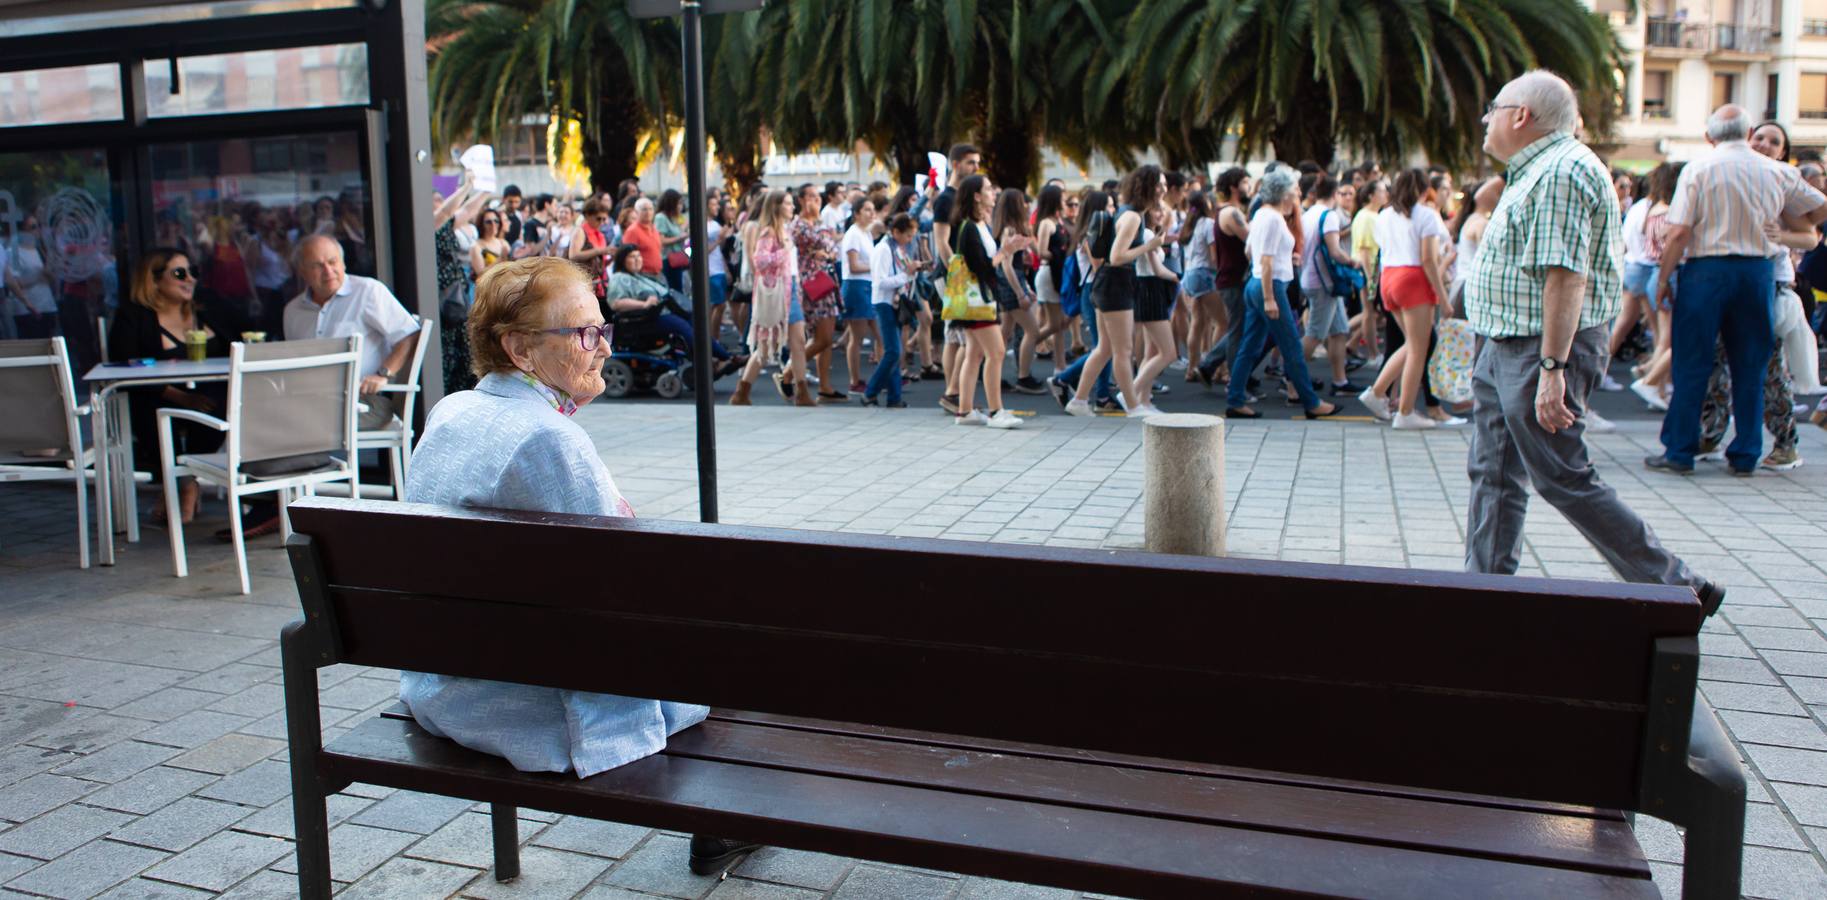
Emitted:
pixel 588 336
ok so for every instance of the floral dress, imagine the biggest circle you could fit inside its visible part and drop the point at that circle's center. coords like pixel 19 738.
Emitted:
pixel 453 336
pixel 817 246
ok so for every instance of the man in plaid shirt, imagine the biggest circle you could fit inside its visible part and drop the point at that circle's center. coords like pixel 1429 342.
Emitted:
pixel 1542 291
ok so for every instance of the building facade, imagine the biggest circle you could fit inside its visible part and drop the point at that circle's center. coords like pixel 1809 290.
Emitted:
pixel 1685 58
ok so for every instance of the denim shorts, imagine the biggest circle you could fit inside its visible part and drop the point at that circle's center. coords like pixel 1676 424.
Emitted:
pixel 719 289
pixel 1325 314
pixel 858 300
pixel 796 313
pixel 1199 282
pixel 1639 278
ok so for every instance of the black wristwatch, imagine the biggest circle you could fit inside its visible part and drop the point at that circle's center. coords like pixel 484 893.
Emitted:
pixel 1550 364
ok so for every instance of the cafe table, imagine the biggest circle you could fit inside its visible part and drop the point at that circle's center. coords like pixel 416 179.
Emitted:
pixel 116 506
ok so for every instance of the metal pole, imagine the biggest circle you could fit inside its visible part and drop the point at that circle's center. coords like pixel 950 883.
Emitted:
pixel 702 363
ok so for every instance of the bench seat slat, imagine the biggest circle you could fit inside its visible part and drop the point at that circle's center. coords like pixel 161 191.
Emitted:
pixel 1574 842
pixel 1148 763
pixel 1034 842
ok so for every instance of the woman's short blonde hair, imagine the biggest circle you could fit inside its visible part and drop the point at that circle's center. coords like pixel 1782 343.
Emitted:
pixel 513 297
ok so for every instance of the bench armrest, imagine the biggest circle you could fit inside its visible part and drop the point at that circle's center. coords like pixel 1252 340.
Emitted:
pixel 399 389
pixel 191 415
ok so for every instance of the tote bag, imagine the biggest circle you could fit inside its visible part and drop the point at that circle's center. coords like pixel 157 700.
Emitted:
pixel 1450 368
pixel 964 300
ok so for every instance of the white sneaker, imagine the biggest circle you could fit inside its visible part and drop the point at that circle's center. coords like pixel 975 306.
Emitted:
pixel 974 417
pixel 1609 383
pixel 1178 365
pixel 1717 454
pixel 1003 419
pixel 1144 411
pixel 1379 406
pixel 1077 407
pixel 1449 421
pixel 1650 394
pixel 1598 424
pixel 1413 422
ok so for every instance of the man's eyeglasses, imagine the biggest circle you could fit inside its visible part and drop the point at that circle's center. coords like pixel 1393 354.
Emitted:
pixel 180 273
pixel 1495 106
pixel 588 336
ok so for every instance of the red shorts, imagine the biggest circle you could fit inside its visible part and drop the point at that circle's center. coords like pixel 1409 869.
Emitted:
pixel 1406 287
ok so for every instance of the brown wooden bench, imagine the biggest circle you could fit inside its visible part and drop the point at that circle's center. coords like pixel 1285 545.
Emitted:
pixel 1178 727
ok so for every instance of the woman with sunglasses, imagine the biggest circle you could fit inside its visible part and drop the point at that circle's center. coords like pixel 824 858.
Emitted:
pixel 490 247
pixel 154 326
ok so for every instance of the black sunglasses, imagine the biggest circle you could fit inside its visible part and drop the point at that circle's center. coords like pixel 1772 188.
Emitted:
pixel 179 272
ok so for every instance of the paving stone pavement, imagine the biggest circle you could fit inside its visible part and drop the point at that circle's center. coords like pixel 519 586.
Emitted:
pixel 141 726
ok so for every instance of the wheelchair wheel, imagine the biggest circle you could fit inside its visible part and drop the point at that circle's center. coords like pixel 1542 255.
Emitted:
pixel 669 385
pixel 618 379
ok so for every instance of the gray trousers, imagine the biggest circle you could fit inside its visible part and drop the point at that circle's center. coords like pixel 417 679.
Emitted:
pixel 1509 445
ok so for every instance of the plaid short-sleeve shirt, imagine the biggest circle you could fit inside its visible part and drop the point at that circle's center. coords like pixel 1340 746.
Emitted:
pixel 1558 211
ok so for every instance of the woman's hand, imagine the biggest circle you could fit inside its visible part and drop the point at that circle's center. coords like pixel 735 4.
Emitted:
pixel 1270 308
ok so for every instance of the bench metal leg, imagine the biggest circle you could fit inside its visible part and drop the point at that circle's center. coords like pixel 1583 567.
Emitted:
pixel 1714 811
pixel 507 841
pixel 304 732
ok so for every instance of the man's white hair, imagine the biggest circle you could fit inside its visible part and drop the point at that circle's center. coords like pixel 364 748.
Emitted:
pixel 1548 98
pixel 1728 123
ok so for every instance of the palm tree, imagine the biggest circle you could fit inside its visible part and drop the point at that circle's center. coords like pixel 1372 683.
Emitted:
pixel 1386 76
pixel 496 61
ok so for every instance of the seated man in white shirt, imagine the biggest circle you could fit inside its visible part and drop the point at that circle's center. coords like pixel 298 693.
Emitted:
pixel 336 304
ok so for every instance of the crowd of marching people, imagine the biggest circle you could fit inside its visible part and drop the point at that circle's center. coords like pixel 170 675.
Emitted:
pixel 1310 283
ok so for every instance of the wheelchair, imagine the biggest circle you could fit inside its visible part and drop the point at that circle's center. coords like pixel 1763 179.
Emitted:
pixel 643 357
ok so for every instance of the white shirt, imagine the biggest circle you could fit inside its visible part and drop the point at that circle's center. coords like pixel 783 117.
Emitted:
pixel 832 216
pixel 362 306
pixel 886 272
pixel 1199 249
pixel 1309 226
pixel 715 264
pixel 1399 237
pixel 1145 264
pixel 857 240
pixel 1731 193
pixel 1636 242
pixel 1269 236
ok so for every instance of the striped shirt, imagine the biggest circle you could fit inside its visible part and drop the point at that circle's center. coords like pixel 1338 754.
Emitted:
pixel 1558 210
pixel 1730 194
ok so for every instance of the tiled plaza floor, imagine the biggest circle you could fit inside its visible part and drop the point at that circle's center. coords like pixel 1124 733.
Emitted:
pixel 142 739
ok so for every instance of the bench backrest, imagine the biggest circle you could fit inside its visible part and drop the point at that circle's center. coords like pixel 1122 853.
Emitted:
pixel 1516 687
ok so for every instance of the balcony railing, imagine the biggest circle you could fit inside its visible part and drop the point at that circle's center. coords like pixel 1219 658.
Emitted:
pixel 1656 109
pixel 1741 38
pixel 1671 34
pixel 1813 114
pixel 1664 33
pixel 1814 27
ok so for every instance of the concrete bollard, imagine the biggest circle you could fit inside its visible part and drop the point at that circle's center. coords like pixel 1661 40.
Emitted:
pixel 1183 493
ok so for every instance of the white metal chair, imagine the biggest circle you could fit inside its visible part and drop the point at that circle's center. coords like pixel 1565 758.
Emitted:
pixel 290 428
pixel 396 437
pixel 38 413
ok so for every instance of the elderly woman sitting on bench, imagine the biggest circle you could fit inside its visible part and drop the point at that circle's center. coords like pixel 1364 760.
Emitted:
pixel 635 298
pixel 538 342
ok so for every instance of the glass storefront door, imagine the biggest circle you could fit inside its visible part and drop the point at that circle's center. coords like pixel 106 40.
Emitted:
pixel 60 232
pixel 237 207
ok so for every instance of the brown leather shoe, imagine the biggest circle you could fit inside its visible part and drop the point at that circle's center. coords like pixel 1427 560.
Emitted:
pixel 741 397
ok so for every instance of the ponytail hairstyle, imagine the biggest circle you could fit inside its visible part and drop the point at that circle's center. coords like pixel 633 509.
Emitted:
pixel 1410 188
pixel 1198 206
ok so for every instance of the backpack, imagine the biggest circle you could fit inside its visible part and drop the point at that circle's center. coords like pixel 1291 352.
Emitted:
pixel 1069 290
pixel 1335 277
pixel 1101 234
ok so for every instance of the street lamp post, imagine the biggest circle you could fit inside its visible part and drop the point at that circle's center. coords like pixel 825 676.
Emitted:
pixel 692 29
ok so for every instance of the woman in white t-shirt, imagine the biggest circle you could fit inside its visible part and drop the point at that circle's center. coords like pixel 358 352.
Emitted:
pixel 1266 313
pixel 1409 234
pixel 859 313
